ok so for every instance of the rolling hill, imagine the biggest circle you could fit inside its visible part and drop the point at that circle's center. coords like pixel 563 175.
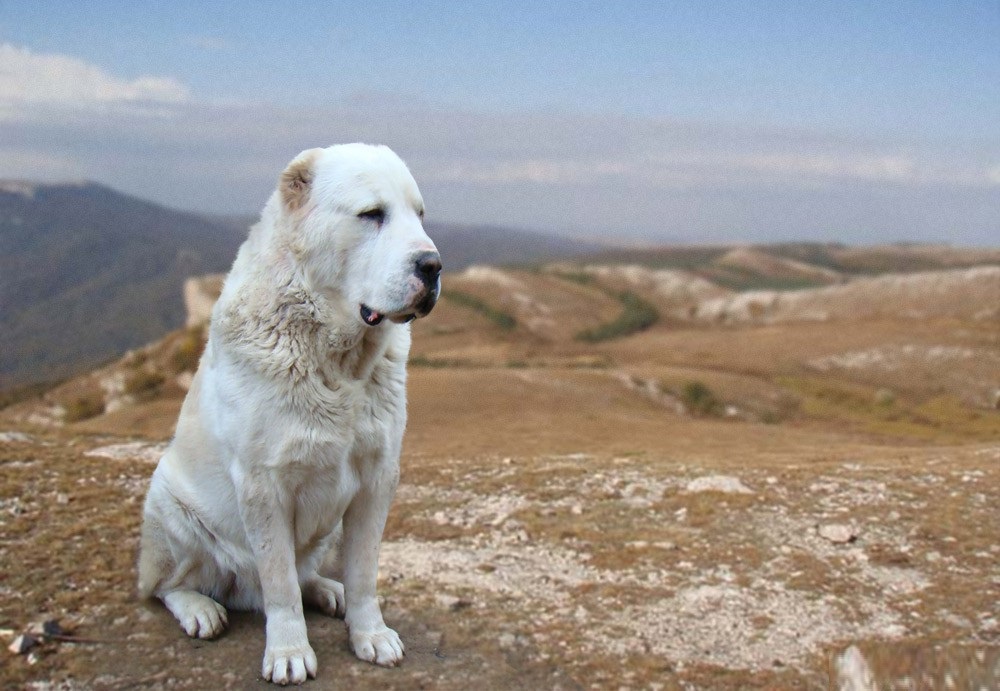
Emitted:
pixel 87 272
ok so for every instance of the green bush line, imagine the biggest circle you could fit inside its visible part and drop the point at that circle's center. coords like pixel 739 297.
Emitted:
pixel 501 319
pixel 636 315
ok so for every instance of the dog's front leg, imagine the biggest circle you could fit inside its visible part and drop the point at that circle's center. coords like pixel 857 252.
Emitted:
pixel 364 522
pixel 267 518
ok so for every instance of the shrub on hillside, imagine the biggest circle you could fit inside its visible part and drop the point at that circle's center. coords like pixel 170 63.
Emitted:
pixel 143 382
pixel 498 317
pixel 84 407
pixel 636 315
pixel 701 400
pixel 188 353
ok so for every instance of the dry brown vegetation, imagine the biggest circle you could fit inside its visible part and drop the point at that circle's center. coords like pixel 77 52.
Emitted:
pixel 641 512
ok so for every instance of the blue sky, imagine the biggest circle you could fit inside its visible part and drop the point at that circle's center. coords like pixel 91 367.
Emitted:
pixel 749 120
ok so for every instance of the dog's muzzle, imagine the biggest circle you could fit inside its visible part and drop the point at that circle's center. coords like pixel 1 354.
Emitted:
pixel 427 269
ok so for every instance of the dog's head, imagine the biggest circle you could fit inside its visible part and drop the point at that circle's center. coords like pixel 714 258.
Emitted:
pixel 355 216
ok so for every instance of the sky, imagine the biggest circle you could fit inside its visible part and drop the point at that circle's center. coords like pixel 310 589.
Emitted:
pixel 631 122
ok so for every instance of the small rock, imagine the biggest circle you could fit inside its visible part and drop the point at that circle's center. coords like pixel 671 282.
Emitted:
pixel 62 498
pixel 451 602
pixel 576 509
pixel 22 644
pixel 989 625
pixel 894 631
pixel 45 628
pixel 726 484
pixel 507 641
pixel 838 533
pixel 15 437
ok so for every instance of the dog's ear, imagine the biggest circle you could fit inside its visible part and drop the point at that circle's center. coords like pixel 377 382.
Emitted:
pixel 296 181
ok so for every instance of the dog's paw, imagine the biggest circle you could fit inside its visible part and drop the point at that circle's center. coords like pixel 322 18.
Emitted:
pixel 290 665
pixel 199 615
pixel 381 646
pixel 325 594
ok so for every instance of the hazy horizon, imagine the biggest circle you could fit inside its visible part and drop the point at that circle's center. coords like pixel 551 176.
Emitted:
pixel 632 123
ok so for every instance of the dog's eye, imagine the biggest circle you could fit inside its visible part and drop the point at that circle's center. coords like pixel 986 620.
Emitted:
pixel 376 214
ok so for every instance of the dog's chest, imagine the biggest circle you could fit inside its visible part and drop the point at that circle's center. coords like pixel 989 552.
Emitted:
pixel 357 415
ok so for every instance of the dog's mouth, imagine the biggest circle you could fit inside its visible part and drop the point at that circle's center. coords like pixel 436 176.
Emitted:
pixel 373 317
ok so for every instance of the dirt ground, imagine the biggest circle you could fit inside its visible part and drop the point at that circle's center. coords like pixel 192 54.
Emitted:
pixel 593 544
pixel 822 513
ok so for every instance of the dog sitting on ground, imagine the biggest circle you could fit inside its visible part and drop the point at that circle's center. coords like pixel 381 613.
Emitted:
pixel 288 441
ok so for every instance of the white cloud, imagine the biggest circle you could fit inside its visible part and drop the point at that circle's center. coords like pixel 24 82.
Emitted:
pixel 577 173
pixel 32 85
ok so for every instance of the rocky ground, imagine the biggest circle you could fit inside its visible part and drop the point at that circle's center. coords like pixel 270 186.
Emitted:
pixel 787 567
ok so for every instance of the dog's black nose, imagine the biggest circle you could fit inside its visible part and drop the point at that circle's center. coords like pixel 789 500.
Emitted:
pixel 428 267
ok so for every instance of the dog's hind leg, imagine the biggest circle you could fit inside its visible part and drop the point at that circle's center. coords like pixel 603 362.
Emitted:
pixel 199 615
pixel 325 594
pixel 162 576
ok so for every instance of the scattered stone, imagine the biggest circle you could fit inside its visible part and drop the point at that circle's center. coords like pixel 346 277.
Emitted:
pixel 576 509
pixel 23 643
pixel 507 641
pixel 726 484
pixel 148 452
pixel 838 533
pixel 46 629
pixel 15 438
pixel 452 602
pixel 62 498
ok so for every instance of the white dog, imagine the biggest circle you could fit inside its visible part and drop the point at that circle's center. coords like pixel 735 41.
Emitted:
pixel 292 428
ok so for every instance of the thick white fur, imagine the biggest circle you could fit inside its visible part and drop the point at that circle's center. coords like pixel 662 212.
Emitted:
pixel 291 430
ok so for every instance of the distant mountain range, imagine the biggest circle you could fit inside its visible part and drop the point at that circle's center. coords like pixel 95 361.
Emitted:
pixel 87 272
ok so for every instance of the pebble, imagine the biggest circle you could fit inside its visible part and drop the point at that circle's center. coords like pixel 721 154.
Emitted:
pixel 838 533
pixel 15 437
pixel 22 644
pixel 452 602
pixel 727 484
